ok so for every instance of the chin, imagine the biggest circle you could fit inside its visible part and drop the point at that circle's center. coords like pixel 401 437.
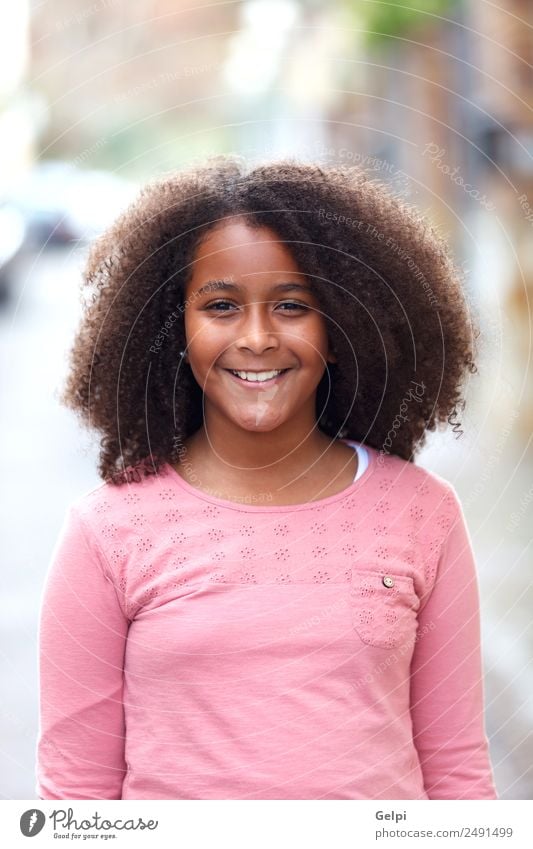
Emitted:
pixel 262 423
pixel 259 427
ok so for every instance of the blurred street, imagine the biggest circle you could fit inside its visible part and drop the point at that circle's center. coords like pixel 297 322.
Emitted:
pixel 46 465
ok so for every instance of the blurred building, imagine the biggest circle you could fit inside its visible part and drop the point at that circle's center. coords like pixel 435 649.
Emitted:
pixel 17 108
pixel 504 56
pixel 129 85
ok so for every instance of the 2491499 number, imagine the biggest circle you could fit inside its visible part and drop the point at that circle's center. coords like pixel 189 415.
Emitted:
pixel 487 831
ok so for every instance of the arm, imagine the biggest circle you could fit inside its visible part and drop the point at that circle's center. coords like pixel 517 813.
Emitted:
pixel 82 637
pixel 447 678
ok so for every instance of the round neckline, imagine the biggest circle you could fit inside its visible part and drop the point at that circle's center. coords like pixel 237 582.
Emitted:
pixel 281 508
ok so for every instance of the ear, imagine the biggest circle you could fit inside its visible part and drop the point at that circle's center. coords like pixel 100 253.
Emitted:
pixel 331 357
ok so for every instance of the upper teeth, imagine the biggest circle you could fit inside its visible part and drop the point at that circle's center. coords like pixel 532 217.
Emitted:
pixel 257 375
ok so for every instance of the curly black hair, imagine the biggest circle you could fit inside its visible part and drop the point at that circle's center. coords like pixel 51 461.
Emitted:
pixel 395 304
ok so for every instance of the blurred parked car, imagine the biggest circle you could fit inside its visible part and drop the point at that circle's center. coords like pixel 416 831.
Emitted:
pixel 12 238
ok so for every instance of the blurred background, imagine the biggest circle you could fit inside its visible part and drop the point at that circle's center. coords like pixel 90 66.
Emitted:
pixel 433 98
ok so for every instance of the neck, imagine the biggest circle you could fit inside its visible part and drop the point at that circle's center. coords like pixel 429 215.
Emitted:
pixel 259 456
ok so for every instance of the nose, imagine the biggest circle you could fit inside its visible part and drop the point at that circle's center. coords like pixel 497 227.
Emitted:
pixel 255 332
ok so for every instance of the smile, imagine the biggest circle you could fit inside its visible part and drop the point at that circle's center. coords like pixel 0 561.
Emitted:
pixel 258 378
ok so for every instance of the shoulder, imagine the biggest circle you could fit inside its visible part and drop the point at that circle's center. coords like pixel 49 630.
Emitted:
pixel 415 487
pixel 108 506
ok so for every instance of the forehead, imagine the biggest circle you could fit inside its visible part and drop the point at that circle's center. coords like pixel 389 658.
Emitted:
pixel 235 250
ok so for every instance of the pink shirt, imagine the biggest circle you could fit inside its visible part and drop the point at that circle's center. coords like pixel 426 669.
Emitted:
pixel 199 648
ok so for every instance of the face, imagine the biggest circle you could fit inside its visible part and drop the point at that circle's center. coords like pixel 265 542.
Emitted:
pixel 249 309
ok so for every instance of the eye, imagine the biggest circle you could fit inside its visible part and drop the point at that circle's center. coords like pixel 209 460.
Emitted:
pixel 294 304
pixel 219 306
pixel 216 304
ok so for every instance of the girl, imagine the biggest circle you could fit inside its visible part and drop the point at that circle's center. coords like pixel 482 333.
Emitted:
pixel 265 598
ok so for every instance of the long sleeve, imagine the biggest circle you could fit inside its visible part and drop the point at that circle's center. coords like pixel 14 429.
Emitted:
pixel 82 637
pixel 447 696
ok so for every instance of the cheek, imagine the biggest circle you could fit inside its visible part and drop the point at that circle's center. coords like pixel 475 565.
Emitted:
pixel 197 333
pixel 314 342
pixel 205 344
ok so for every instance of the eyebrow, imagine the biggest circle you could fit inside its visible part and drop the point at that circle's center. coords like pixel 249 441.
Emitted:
pixel 233 287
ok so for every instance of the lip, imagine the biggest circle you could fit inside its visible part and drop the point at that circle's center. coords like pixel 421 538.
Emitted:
pixel 256 384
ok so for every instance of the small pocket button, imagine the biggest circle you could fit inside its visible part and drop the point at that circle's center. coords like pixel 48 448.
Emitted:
pixel 387 581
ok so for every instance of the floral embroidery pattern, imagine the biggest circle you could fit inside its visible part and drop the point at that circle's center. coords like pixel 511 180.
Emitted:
pixel 173 515
pixel 167 494
pixel 337 539
pixel 132 498
pixel 144 544
pixel 109 530
pixel 178 538
pixel 320 577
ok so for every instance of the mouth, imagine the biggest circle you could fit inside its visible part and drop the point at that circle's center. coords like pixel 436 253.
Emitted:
pixel 258 379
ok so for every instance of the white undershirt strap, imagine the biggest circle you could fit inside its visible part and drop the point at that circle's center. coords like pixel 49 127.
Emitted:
pixel 362 458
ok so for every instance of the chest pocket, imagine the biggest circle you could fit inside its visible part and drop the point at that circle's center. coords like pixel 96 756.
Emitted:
pixel 383 607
